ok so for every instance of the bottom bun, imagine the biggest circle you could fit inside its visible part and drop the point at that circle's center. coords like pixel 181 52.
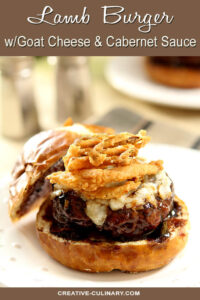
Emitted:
pixel 105 256
pixel 182 77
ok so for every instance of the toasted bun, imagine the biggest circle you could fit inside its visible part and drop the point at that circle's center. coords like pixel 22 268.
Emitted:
pixel 137 256
pixel 39 153
pixel 183 77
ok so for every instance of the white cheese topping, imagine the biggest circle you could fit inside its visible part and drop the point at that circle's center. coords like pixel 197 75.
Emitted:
pixel 160 185
pixel 96 212
pixel 164 185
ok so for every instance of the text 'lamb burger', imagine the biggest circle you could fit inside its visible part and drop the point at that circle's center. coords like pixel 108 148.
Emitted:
pixel 110 209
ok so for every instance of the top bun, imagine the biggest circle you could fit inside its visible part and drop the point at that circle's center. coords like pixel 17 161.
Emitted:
pixel 28 187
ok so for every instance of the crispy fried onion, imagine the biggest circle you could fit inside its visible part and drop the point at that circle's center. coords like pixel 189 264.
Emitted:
pixel 102 150
pixel 92 179
pixel 105 166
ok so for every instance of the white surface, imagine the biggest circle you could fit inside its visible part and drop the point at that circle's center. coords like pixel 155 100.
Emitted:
pixel 127 74
pixel 24 263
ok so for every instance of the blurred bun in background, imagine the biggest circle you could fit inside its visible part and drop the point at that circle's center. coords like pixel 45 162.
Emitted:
pixel 176 71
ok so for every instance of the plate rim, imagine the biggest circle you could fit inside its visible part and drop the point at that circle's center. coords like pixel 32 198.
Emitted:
pixel 116 81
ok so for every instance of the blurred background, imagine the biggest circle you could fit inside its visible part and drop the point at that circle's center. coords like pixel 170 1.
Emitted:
pixel 39 93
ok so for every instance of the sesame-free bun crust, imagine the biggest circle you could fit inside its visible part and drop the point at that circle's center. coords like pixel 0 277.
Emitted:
pixel 39 153
pixel 184 77
pixel 136 256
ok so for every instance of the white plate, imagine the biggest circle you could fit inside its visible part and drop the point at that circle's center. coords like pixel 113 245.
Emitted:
pixel 127 74
pixel 24 263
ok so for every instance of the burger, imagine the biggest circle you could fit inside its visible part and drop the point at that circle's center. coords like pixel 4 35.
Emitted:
pixel 111 209
pixel 175 71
